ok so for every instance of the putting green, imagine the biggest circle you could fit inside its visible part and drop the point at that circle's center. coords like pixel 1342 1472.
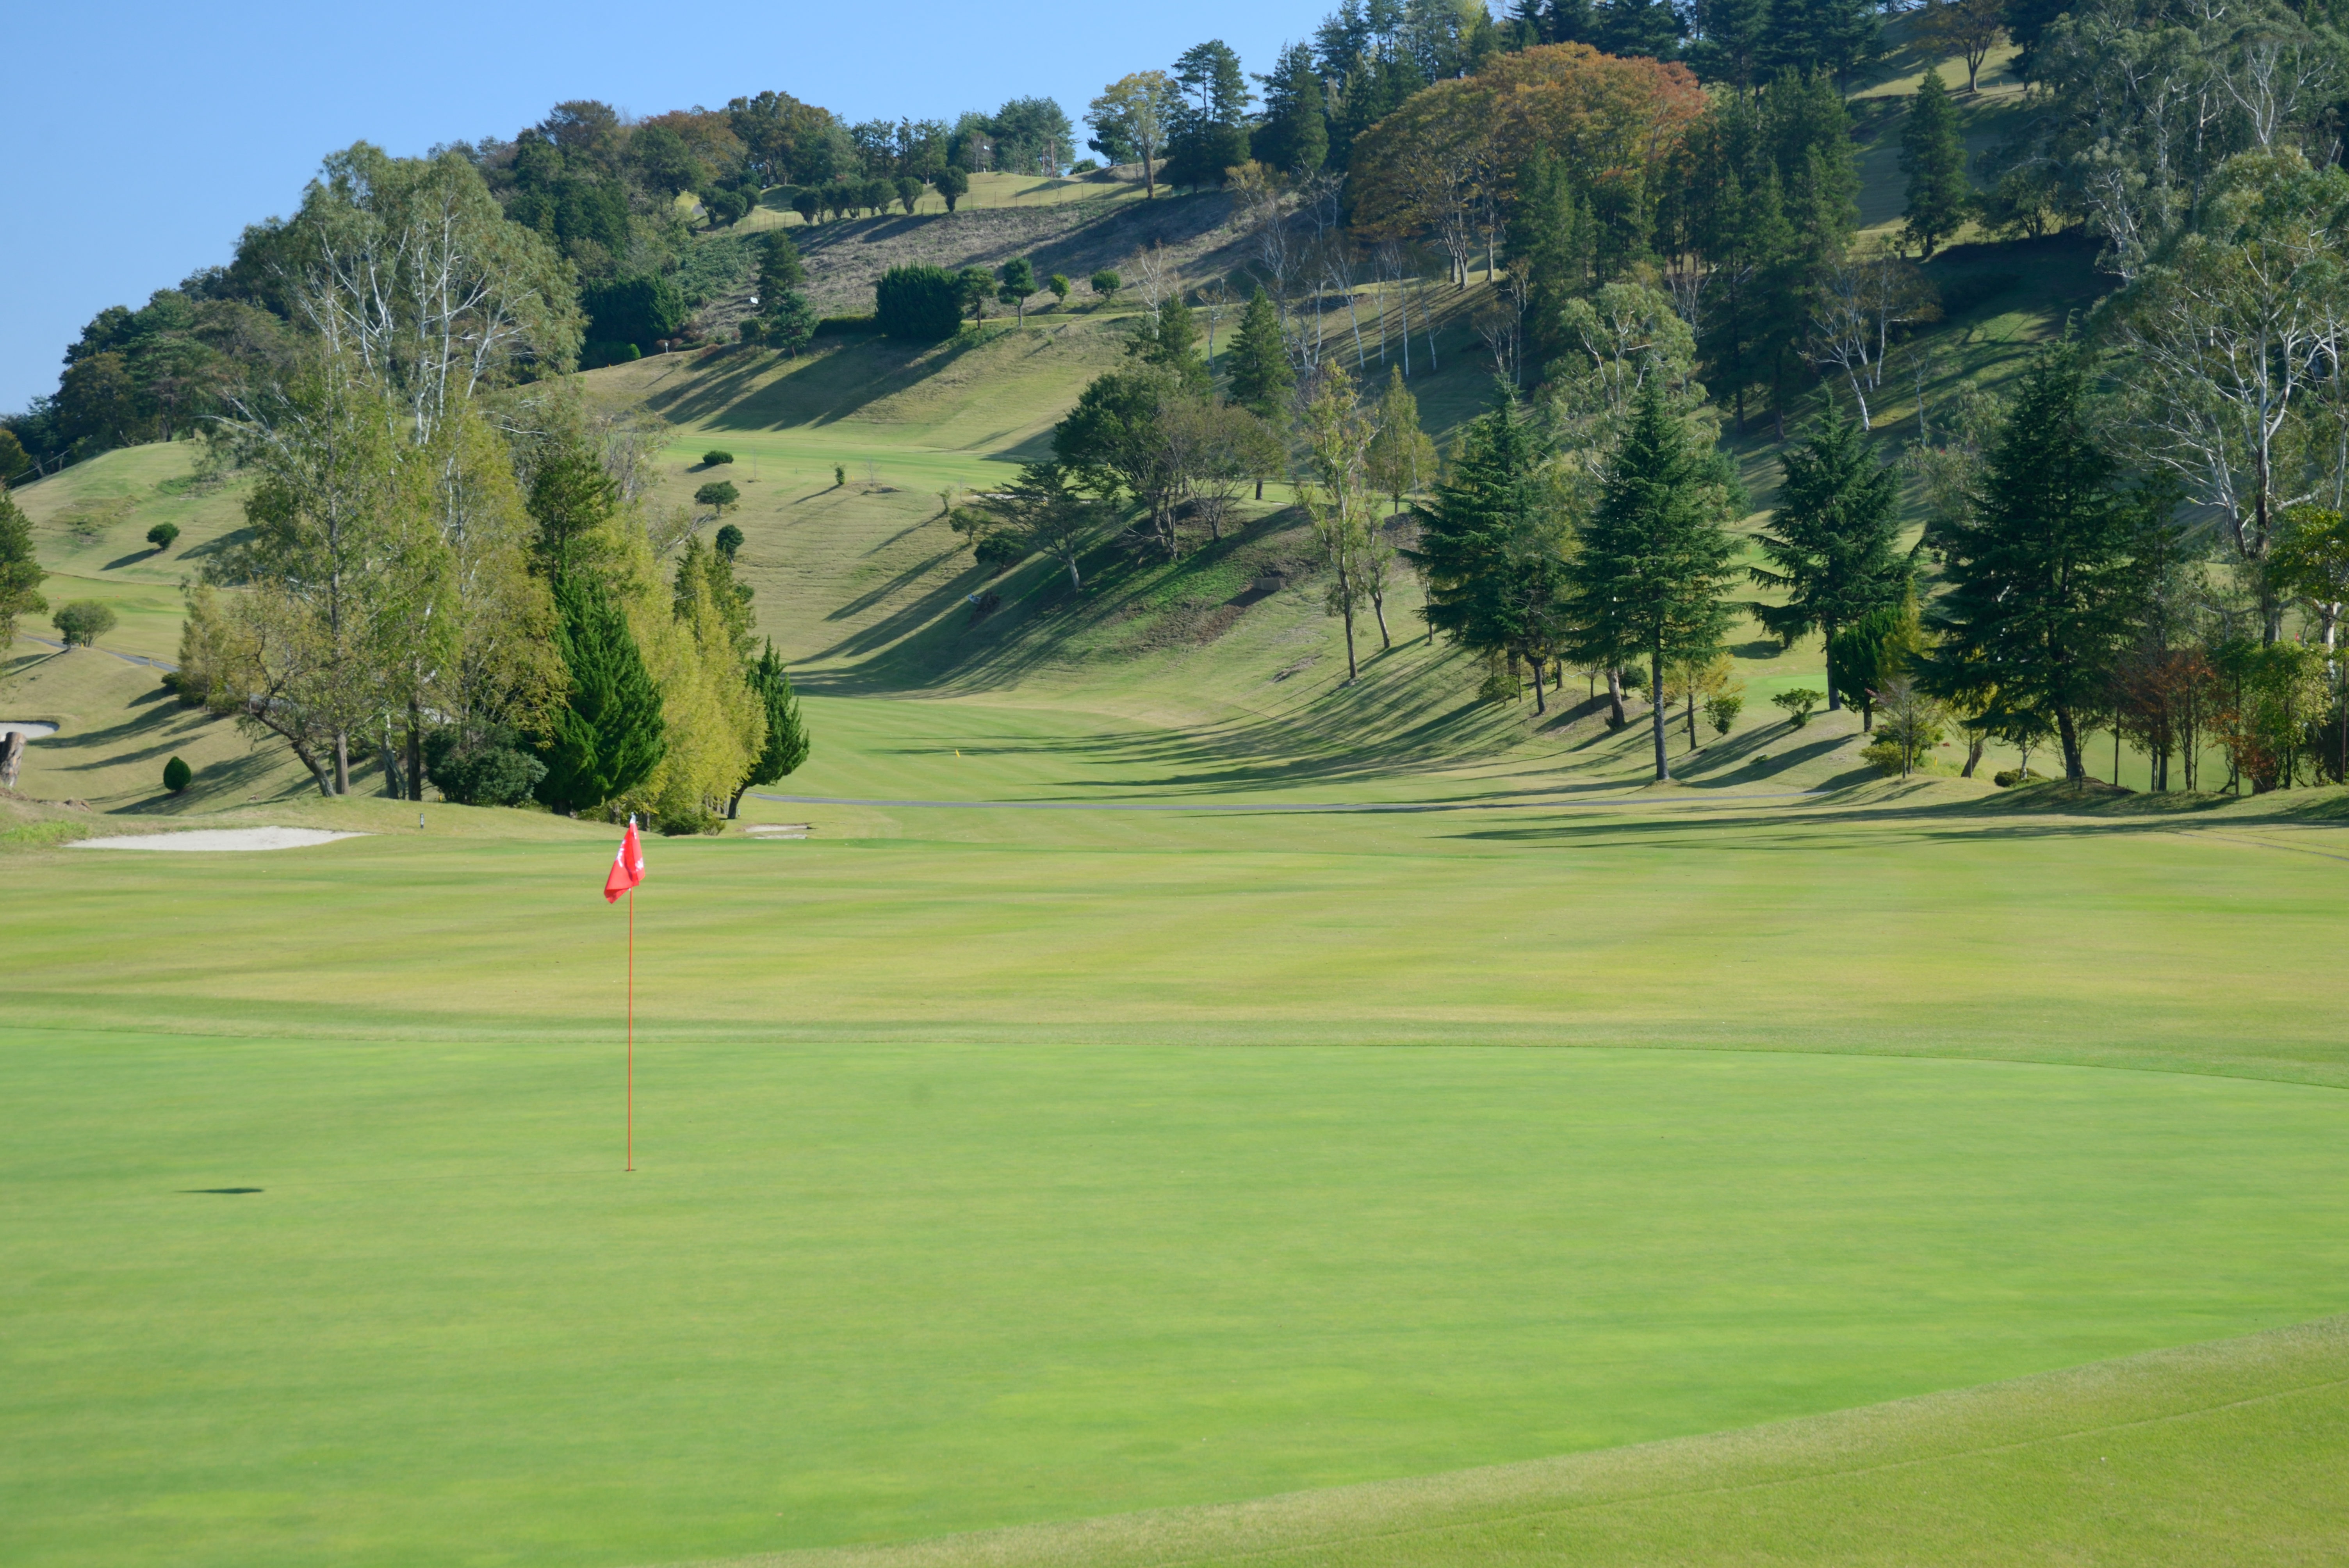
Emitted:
pixel 883 1292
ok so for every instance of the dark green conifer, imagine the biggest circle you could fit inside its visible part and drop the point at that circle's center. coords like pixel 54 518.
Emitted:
pixel 1831 544
pixel 608 734
pixel 1655 559
pixel 1933 157
pixel 1257 361
pixel 787 736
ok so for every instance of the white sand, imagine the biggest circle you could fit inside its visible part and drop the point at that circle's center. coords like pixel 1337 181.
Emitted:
pixel 219 839
pixel 30 728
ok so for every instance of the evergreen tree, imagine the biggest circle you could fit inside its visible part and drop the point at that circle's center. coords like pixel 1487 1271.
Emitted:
pixel 1730 42
pixel 2041 576
pixel 571 500
pixel 1474 530
pixel 1832 37
pixel 1257 362
pixel 1211 130
pixel 787 736
pixel 20 569
pixel 1549 242
pixel 1294 137
pixel 608 735
pixel 779 264
pixel 1637 29
pixel 787 321
pixel 1170 340
pixel 1831 543
pixel 1933 157
pixel 1655 560
pixel 1017 281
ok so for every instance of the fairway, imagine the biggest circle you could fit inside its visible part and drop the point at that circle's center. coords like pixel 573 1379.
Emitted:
pixel 1006 1167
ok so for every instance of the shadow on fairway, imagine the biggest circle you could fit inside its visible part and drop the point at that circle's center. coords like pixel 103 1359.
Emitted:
pixel 217 1191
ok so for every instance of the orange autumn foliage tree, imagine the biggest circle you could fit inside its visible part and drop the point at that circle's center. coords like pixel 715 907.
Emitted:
pixel 1444 164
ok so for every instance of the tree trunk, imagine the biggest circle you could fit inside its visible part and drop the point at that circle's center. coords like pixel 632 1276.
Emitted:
pixel 1826 640
pixel 1076 584
pixel 1386 643
pixel 1616 717
pixel 734 805
pixel 2074 768
pixel 1540 708
pixel 415 751
pixel 1692 715
pixel 392 786
pixel 342 762
pixel 1974 755
pixel 1656 710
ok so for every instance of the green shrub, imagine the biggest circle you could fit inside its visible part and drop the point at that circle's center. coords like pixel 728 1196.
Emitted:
pixel 485 769
pixel 718 495
pixel 729 540
pixel 1798 704
pixel 1106 284
pixel 921 304
pixel 177 776
pixel 715 459
pixel 684 824
pixel 163 535
pixel 2008 778
pixel 83 622
pixel 1723 711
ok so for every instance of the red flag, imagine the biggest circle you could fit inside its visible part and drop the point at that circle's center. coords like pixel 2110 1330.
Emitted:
pixel 627 867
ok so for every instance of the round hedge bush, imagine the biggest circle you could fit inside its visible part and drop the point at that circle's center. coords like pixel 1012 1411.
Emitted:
pixel 177 776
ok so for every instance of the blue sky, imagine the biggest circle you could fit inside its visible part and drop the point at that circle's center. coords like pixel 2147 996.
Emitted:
pixel 136 140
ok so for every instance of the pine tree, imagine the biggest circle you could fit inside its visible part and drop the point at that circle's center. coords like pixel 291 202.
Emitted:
pixel 1473 524
pixel 1655 560
pixel 1294 137
pixel 779 264
pixel 1549 242
pixel 787 736
pixel 1170 340
pixel 20 569
pixel 1933 157
pixel 2042 577
pixel 1729 48
pixel 1831 543
pixel 1257 362
pixel 608 735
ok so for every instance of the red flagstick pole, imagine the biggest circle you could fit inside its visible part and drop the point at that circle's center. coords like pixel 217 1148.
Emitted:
pixel 632 1028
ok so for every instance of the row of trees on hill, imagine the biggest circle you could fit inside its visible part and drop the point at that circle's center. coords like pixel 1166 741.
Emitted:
pixel 448 565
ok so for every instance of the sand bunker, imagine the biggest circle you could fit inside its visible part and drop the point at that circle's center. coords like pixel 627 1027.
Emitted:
pixel 30 728
pixel 219 839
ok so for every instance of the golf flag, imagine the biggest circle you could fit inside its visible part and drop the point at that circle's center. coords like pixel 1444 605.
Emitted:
pixel 627 867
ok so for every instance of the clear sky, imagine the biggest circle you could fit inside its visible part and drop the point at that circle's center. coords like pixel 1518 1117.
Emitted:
pixel 137 139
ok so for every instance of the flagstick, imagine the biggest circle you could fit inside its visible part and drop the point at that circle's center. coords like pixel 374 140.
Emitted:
pixel 632 1028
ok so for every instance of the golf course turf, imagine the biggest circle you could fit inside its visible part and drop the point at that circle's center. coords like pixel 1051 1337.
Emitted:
pixel 1000 1167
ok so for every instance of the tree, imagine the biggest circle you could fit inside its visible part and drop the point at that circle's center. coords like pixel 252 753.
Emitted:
pixel 1933 157
pixel 787 738
pixel 642 309
pixel 1401 457
pixel 1105 284
pixel 1492 543
pixel 1969 29
pixel 919 304
pixel 81 622
pixel 1338 499
pixel 20 569
pixel 1112 442
pixel 1830 545
pixel 2040 578
pixel 2236 339
pixel 608 736
pixel 729 541
pixel 12 458
pixel 974 286
pixel 809 205
pixel 716 458
pixel 1911 727
pixel 1655 559
pixel 909 192
pixel 787 321
pixel 1133 119
pixel 1039 513
pixel 571 501
pixel 953 183
pixel 1209 133
pixel 780 266
pixel 1059 284
pixel 1257 361
pixel 163 536
pixel 1294 135
pixel 718 495
pixel 1017 281
pixel 177 777
pixel 1869 651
